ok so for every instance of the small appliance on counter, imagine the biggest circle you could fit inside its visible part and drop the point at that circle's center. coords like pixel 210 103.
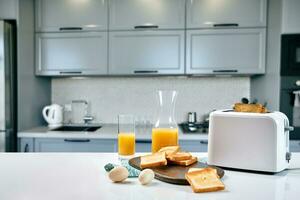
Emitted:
pixel 196 128
pixel 53 114
pixel 249 141
pixel 192 126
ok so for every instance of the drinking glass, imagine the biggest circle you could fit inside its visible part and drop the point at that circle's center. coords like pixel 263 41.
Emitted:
pixel 126 135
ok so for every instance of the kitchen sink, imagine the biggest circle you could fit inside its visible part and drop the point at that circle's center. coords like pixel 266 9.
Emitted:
pixel 77 128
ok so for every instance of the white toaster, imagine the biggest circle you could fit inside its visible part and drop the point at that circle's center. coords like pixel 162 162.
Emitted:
pixel 249 141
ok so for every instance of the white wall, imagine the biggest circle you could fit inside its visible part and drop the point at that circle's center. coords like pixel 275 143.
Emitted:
pixel 111 96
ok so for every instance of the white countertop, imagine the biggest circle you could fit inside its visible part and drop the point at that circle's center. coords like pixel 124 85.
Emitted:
pixel 107 131
pixel 67 176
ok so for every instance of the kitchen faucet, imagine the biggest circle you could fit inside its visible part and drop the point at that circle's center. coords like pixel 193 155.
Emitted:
pixel 87 118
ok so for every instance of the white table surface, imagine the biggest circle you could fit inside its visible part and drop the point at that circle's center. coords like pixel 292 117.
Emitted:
pixel 68 176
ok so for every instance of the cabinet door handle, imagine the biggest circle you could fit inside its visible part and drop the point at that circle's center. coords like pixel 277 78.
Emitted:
pixel 145 71
pixel 226 71
pixel 77 140
pixel 70 28
pixel 203 142
pixel 146 27
pixel 143 141
pixel 71 72
pixel 26 148
pixel 226 25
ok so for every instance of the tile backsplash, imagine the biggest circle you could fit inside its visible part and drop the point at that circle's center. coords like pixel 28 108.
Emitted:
pixel 110 96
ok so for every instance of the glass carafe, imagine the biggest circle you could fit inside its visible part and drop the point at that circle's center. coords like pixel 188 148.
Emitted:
pixel 165 130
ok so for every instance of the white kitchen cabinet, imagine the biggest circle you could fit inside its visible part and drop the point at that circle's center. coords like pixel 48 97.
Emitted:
pixel 155 14
pixel 8 9
pixel 226 51
pixel 216 13
pixel 295 145
pixel 75 145
pixel 291 16
pixel 70 15
pixel 82 53
pixel 146 52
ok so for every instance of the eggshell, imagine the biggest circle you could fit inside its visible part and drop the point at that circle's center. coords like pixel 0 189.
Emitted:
pixel 146 176
pixel 118 174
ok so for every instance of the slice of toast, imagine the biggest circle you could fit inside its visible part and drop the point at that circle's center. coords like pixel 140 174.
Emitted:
pixel 169 150
pixel 200 169
pixel 185 162
pixel 153 160
pixel 204 180
pixel 179 156
pixel 252 108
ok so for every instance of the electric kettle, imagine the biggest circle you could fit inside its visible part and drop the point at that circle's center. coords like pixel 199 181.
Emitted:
pixel 53 114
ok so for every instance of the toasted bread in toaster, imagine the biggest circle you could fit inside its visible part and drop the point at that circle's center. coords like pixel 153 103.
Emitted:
pixel 184 162
pixel 179 156
pixel 169 150
pixel 153 160
pixel 204 180
pixel 252 108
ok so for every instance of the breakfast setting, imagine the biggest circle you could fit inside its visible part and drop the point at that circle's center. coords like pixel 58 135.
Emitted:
pixel 170 164
pixel 149 99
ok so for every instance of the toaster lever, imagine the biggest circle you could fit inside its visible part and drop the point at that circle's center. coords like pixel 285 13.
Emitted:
pixel 289 128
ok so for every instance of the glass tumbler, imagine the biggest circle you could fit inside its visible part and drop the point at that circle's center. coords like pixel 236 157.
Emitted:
pixel 126 135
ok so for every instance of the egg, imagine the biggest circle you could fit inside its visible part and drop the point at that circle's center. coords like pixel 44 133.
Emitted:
pixel 118 174
pixel 146 176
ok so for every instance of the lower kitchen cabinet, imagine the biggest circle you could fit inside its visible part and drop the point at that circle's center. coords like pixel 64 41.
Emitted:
pixel 143 146
pixel 97 145
pixel 194 145
pixel 186 145
pixel 26 145
pixel 75 145
pixel 295 145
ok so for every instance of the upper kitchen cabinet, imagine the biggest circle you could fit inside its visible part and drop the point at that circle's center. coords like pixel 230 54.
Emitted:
pixel 71 15
pixel 291 16
pixel 151 14
pixel 226 51
pixel 8 9
pixel 146 52
pixel 71 53
pixel 226 13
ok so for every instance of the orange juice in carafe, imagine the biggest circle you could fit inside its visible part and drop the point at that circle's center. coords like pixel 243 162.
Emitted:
pixel 162 137
pixel 165 131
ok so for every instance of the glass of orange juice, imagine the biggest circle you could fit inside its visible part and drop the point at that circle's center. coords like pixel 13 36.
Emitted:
pixel 126 136
pixel 165 130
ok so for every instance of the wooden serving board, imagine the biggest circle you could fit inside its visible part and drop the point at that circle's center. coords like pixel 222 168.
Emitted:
pixel 173 173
